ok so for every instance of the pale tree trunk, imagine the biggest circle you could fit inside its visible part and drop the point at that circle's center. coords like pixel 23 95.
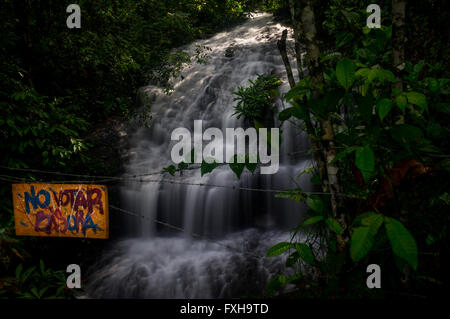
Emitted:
pixel 398 38
pixel 315 144
pixel 331 181
pixel 296 28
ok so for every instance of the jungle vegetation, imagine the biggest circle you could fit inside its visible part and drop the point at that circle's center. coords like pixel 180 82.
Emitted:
pixel 374 103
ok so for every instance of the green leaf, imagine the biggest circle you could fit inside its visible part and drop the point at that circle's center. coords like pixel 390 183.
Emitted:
pixel 257 124
pixel 345 73
pixel 384 106
pixel 363 237
pixel 316 179
pixel 42 291
pixel 433 85
pixel 296 110
pixel 19 270
pixel 402 242
pixel 285 114
pixel 388 75
pixel 312 220
pixel 292 259
pixel 279 248
pixel 401 102
pixel 363 72
pixel 315 203
pixel 417 99
pixel 35 292
pixel 41 266
pixel 419 66
pixel 305 253
pixel 357 220
pixel 405 133
pixel 295 277
pixel 27 273
pixel 343 37
pixel 182 165
pixel 206 168
pixel 170 169
pixel 282 279
pixel 334 225
pixel 365 161
pixel 330 56
pixel 344 153
pixel 297 91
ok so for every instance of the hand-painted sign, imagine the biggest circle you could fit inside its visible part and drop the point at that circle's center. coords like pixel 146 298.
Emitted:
pixel 61 210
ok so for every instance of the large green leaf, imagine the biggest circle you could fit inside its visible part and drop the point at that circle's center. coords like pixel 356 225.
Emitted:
pixel 312 220
pixel 297 91
pixel 298 111
pixel 401 102
pixel 334 225
pixel 380 75
pixel 365 161
pixel 345 73
pixel 315 203
pixel 384 106
pixel 402 242
pixel 417 99
pixel 405 133
pixel 305 253
pixel 279 248
pixel 363 237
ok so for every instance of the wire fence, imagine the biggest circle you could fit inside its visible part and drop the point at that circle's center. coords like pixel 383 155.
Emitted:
pixel 141 178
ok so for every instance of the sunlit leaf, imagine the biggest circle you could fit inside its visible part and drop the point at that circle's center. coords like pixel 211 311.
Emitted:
pixel 279 248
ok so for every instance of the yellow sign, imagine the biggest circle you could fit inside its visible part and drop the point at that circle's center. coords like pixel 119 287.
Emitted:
pixel 61 210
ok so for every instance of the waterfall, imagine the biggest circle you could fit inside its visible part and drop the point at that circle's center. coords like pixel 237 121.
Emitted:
pixel 157 262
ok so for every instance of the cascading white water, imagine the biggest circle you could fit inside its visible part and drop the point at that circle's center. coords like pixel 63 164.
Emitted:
pixel 169 265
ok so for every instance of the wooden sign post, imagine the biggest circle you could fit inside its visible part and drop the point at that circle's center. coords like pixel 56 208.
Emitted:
pixel 61 210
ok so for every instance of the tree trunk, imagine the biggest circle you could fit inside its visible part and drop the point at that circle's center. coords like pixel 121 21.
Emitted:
pixel 296 28
pixel 331 180
pixel 315 144
pixel 398 38
pixel 282 47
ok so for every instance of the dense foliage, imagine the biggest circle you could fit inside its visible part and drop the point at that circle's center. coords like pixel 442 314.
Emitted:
pixel 389 145
pixel 254 100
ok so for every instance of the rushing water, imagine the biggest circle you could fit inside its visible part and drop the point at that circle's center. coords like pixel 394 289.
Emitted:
pixel 158 262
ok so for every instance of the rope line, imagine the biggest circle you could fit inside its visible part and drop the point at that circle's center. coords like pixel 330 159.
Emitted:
pixel 13 179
